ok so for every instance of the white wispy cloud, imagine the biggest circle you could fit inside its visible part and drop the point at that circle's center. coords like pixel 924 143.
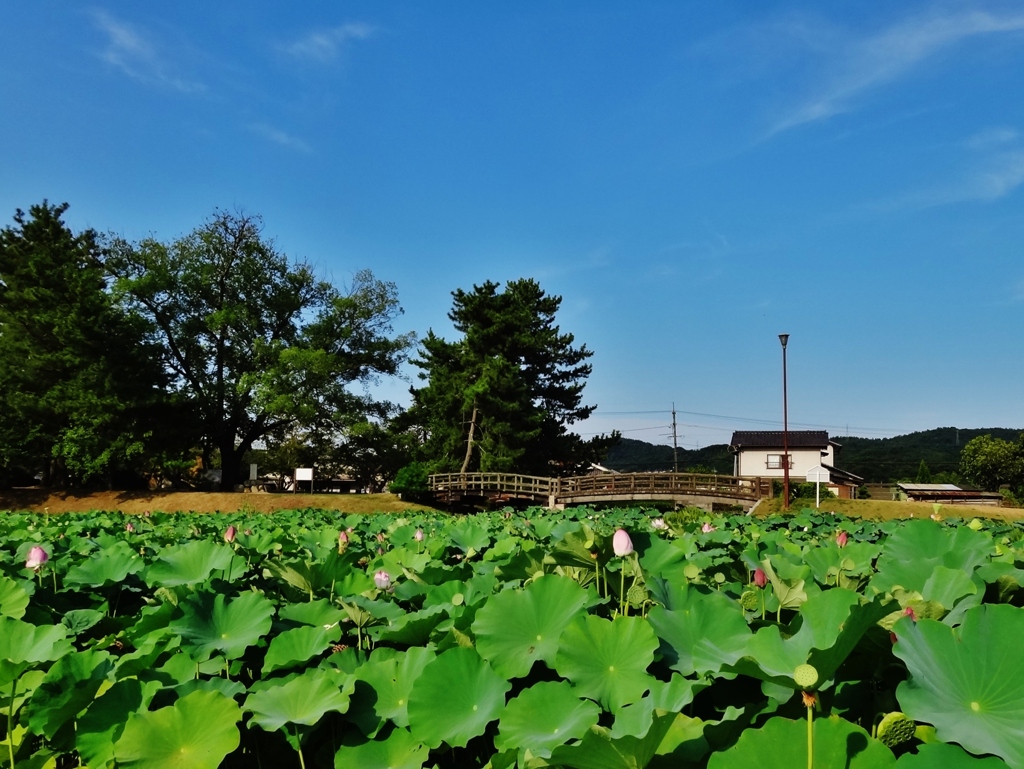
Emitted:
pixel 278 136
pixel 998 136
pixel 991 178
pixel 136 55
pixel 323 46
pixel 864 64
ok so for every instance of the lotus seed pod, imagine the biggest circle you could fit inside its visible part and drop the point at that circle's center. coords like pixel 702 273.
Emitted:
pixel 749 600
pixel 895 729
pixel 636 595
pixel 805 676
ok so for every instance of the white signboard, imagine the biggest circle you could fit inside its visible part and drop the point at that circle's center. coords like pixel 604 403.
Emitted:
pixel 818 475
pixel 303 473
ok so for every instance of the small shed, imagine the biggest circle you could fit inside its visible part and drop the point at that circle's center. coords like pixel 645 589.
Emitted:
pixel 947 494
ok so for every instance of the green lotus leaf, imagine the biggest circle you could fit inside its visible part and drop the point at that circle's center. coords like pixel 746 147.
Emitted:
pixel 634 720
pixel 467 535
pixel 391 680
pixel 319 612
pixel 399 751
pixel 703 631
pixel 196 732
pixel 80 620
pixel 913 552
pixel 607 660
pixel 454 698
pixel 13 599
pixel 411 629
pixel 103 722
pixel 782 744
pixel 967 681
pixel 830 624
pixel 302 700
pixel 599 750
pixel 543 717
pixel 942 755
pixel 298 645
pixel 69 687
pixel 106 567
pixel 515 628
pixel 211 624
pixel 22 644
pixel 313 576
pixel 188 564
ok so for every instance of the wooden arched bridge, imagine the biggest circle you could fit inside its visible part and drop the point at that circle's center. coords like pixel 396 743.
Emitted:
pixel 698 489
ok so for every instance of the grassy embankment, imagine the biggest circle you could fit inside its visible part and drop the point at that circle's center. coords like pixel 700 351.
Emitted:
pixel 881 510
pixel 39 501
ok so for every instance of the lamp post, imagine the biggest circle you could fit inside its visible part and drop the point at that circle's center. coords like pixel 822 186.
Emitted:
pixel 784 338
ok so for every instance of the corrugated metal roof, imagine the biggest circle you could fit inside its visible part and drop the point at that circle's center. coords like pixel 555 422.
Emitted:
pixel 928 487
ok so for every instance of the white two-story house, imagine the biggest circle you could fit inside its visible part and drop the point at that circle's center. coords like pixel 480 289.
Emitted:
pixel 760 454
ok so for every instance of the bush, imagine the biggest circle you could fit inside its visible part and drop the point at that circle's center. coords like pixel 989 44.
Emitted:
pixel 411 482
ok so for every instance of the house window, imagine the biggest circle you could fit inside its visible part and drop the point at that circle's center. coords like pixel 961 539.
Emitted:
pixel 775 462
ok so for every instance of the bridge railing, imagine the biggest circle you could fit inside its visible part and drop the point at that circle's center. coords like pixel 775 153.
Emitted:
pixel 589 486
pixel 661 483
pixel 504 483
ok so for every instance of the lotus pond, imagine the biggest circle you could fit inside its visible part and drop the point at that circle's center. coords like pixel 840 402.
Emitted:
pixel 510 639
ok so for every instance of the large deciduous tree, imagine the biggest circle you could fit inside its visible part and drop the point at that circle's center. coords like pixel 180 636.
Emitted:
pixel 77 381
pixel 259 343
pixel 992 462
pixel 501 397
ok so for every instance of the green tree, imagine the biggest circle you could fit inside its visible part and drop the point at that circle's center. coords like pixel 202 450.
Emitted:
pixel 924 475
pixel 502 396
pixel 78 384
pixel 991 462
pixel 258 343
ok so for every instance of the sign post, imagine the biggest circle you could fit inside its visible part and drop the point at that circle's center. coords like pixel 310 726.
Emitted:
pixel 817 475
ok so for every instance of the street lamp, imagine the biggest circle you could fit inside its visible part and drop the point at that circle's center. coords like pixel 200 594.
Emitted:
pixel 784 338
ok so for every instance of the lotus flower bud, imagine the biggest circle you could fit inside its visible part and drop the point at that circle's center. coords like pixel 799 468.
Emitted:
pixel 909 612
pixel 659 524
pixel 146 513
pixel 707 528
pixel 382 579
pixel 380 536
pixel 760 578
pixel 230 533
pixel 36 558
pixel 342 540
pixel 418 536
pixel 842 538
pixel 129 527
pixel 622 545
pixel 248 532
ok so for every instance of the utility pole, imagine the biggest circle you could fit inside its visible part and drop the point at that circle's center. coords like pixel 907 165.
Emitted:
pixel 675 441
pixel 784 338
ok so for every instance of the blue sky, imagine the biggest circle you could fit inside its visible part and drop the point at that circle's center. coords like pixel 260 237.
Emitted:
pixel 692 178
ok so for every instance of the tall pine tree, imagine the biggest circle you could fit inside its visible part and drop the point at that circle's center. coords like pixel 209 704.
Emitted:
pixel 502 396
pixel 75 374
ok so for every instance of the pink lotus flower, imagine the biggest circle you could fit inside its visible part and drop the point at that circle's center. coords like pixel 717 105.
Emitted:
pixel 622 545
pixel 380 536
pixel 842 538
pixel 909 612
pixel 382 580
pixel 342 537
pixel 707 528
pixel 418 536
pixel 146 513
pixel 659 524
pixel 129 527
pixel 760 578
pixel 36 558
pixel 230 533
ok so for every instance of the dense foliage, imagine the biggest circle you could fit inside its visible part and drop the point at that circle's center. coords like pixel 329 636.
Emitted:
pixel 575 639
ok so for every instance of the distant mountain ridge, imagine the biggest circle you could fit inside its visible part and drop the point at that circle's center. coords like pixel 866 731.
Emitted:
pixel 876 460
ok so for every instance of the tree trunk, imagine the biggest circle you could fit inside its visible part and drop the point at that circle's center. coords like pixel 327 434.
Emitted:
pixel 469 441
pixel 230 465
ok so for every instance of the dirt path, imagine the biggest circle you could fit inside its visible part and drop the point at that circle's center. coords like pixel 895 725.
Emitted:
pixel 40 501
